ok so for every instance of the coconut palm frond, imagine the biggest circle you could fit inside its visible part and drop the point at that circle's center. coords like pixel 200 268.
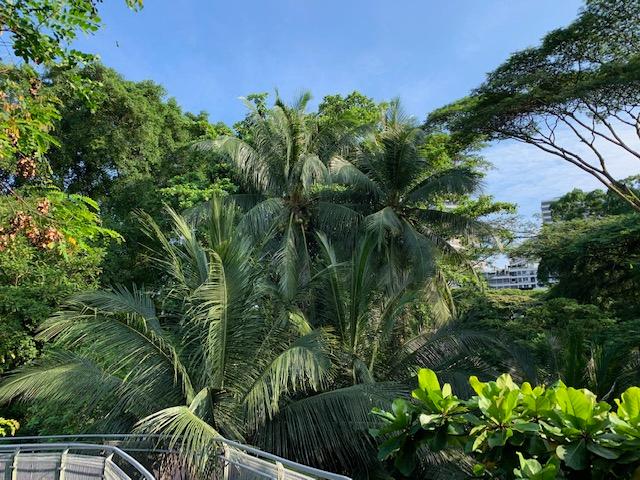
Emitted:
pixel 194 438
pixel 454 224
pixel 305 365
pixel 337 221
pixel 119 300
pixel 65 378
pixel 383 224
pixel 312 172
pixel 253 167
pixel 127 343
pixel 330 428
pixel 345 172
pixel 453 181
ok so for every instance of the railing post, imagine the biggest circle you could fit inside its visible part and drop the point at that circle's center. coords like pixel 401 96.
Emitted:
pixel 63 464
pixel 14 465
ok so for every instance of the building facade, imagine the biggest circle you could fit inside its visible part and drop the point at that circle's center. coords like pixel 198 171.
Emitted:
pixel 519 274
pixel 545 208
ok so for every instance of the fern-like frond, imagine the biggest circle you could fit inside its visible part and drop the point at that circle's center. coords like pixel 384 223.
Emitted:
pixel 303 366
pixel 453 181
pixel 330 429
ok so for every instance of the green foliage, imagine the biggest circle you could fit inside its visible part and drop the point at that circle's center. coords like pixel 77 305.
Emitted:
pixel 217 350
pixel 37 271
pixel 406 191
pixel 514 431
pixel 352 114
pixel 594 204
pixel 281 161
pixel 582 80
pixel 595 260
pixel 105 158
pixel 26 118
pixel 41 30
pixel 558 338
pixel 8 427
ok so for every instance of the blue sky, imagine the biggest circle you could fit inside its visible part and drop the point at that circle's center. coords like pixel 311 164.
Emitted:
pixel 427 52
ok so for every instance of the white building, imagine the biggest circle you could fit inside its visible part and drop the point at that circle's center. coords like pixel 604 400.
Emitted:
pixel 545 207
pixel 519 274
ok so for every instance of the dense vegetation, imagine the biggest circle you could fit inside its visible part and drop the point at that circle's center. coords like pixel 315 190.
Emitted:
pixel 276 280
pixel 506 429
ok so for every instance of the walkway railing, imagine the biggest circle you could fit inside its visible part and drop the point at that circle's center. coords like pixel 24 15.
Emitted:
pixel 236 461
pixel 56 461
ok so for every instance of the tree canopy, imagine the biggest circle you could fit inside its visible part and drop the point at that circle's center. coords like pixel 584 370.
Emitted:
pixel 572 96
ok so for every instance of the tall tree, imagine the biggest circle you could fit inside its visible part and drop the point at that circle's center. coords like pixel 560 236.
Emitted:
pixel 133 139
pixel 576 96
pixel 281 162
pixel 38 32
pixel 595 260
pixel 405 189
pixel 594 204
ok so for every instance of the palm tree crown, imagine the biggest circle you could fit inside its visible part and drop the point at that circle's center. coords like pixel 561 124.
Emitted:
pixel 405 196
pixel 282 163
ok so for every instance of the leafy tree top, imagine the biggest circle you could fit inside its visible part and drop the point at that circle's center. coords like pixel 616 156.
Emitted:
pixel 582 80
pixel 41 31
pixel 596 203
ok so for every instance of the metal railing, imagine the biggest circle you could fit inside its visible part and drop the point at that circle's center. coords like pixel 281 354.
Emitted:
pixel 67 461
pixel 239 462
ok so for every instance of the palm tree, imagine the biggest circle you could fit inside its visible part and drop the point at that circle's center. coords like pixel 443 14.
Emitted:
pixel 607 366
pixel 213 353
pixel 282 163
pixel 404 196
pixel 198 359
pixel 378 348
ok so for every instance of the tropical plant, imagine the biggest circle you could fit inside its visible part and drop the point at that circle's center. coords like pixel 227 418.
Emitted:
pixel 404 197
pixel 53 246
pixel 199 359
pixel 515 431
pixel 8 426
pixel 216 351
pixel 579 87
pixel 281 162
pixel 558 338
pixel 578 204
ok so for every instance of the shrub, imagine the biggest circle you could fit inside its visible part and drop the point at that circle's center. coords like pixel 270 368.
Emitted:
pixel 8 427
pixel 515 431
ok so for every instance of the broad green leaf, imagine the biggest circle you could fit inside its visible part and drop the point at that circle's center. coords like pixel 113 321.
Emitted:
pixel 526 427
pixel 528 467
pixel 575 455
pixel 601 451
pixel 427 380
pixel 499 438
pixel 629 405
pixel 426 420
pixel 578 404
pixel 446 390
pixel 476 384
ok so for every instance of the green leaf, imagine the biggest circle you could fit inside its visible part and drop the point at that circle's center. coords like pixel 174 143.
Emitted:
pixel 389 447
pixel 426 420
pixel 499 438
pixel 476 384
pixel 406 460
pixel 526 427
pixel 629 405
pixel 575 455
pixel 427 380
pixel 601 451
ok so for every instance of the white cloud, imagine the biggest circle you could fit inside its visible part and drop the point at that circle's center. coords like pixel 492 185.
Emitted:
pixel 527 175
